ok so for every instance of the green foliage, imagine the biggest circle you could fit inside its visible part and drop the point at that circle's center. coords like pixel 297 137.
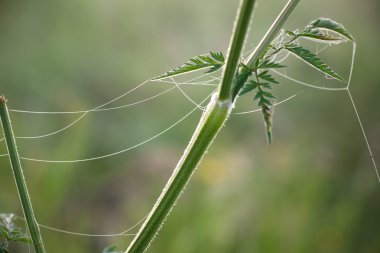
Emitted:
pixel 263 80
pixel 267 77
pixel 331 25
pixel 316 28
pixel 268 64
pixel 248 87
pixel 213 61
pixel 312 59
pixel 264 97
pixel 9 232
pixel 252 84
pixel 315 34
pixel 262 85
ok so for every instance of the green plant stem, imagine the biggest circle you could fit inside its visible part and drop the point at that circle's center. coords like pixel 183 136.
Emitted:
pixel 214 117
pixel 236 45
pixel 211 122
pixel 19 178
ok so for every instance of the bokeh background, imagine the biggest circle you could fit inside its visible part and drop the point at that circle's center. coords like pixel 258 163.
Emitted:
pixel 313 190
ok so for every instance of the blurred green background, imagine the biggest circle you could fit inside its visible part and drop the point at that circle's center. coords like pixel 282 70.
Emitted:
pixel 313 190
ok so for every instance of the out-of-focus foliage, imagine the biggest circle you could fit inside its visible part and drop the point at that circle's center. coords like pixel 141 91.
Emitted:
pixel 10 233
pixel 312 190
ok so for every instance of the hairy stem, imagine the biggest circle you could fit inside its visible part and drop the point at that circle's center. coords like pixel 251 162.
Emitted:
pixel 19 178
pixel 211 122
pixel 236 45
pixel 214 117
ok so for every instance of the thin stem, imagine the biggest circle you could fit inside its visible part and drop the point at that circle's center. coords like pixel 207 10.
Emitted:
pixel 236 45
pixel 19 178
pixel 272 32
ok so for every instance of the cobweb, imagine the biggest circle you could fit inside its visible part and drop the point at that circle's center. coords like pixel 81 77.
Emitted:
pixel 210 80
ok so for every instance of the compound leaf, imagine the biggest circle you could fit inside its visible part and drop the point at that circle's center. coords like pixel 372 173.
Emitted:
pixel 213 61
pixel 312 59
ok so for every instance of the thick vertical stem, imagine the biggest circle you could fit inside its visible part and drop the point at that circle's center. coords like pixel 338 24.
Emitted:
pixel 19 178
pixel 211 122
pixel 236 46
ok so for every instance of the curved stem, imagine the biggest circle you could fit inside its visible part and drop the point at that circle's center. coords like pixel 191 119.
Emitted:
pixel 211 122
pixel 19 178
pixel 214 117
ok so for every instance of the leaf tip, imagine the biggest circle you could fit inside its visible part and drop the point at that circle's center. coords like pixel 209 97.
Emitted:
pixel 269 136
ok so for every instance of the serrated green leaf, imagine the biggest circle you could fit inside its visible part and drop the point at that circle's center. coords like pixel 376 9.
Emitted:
pixel 214 61
pixel 266 85
pixel 312 59
pixel 248 87
pixel 257 96
pixel 267 94
pixel 267 64
pixel 267 77
pixel 263 101
pixel 218 56
pixel 329 24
